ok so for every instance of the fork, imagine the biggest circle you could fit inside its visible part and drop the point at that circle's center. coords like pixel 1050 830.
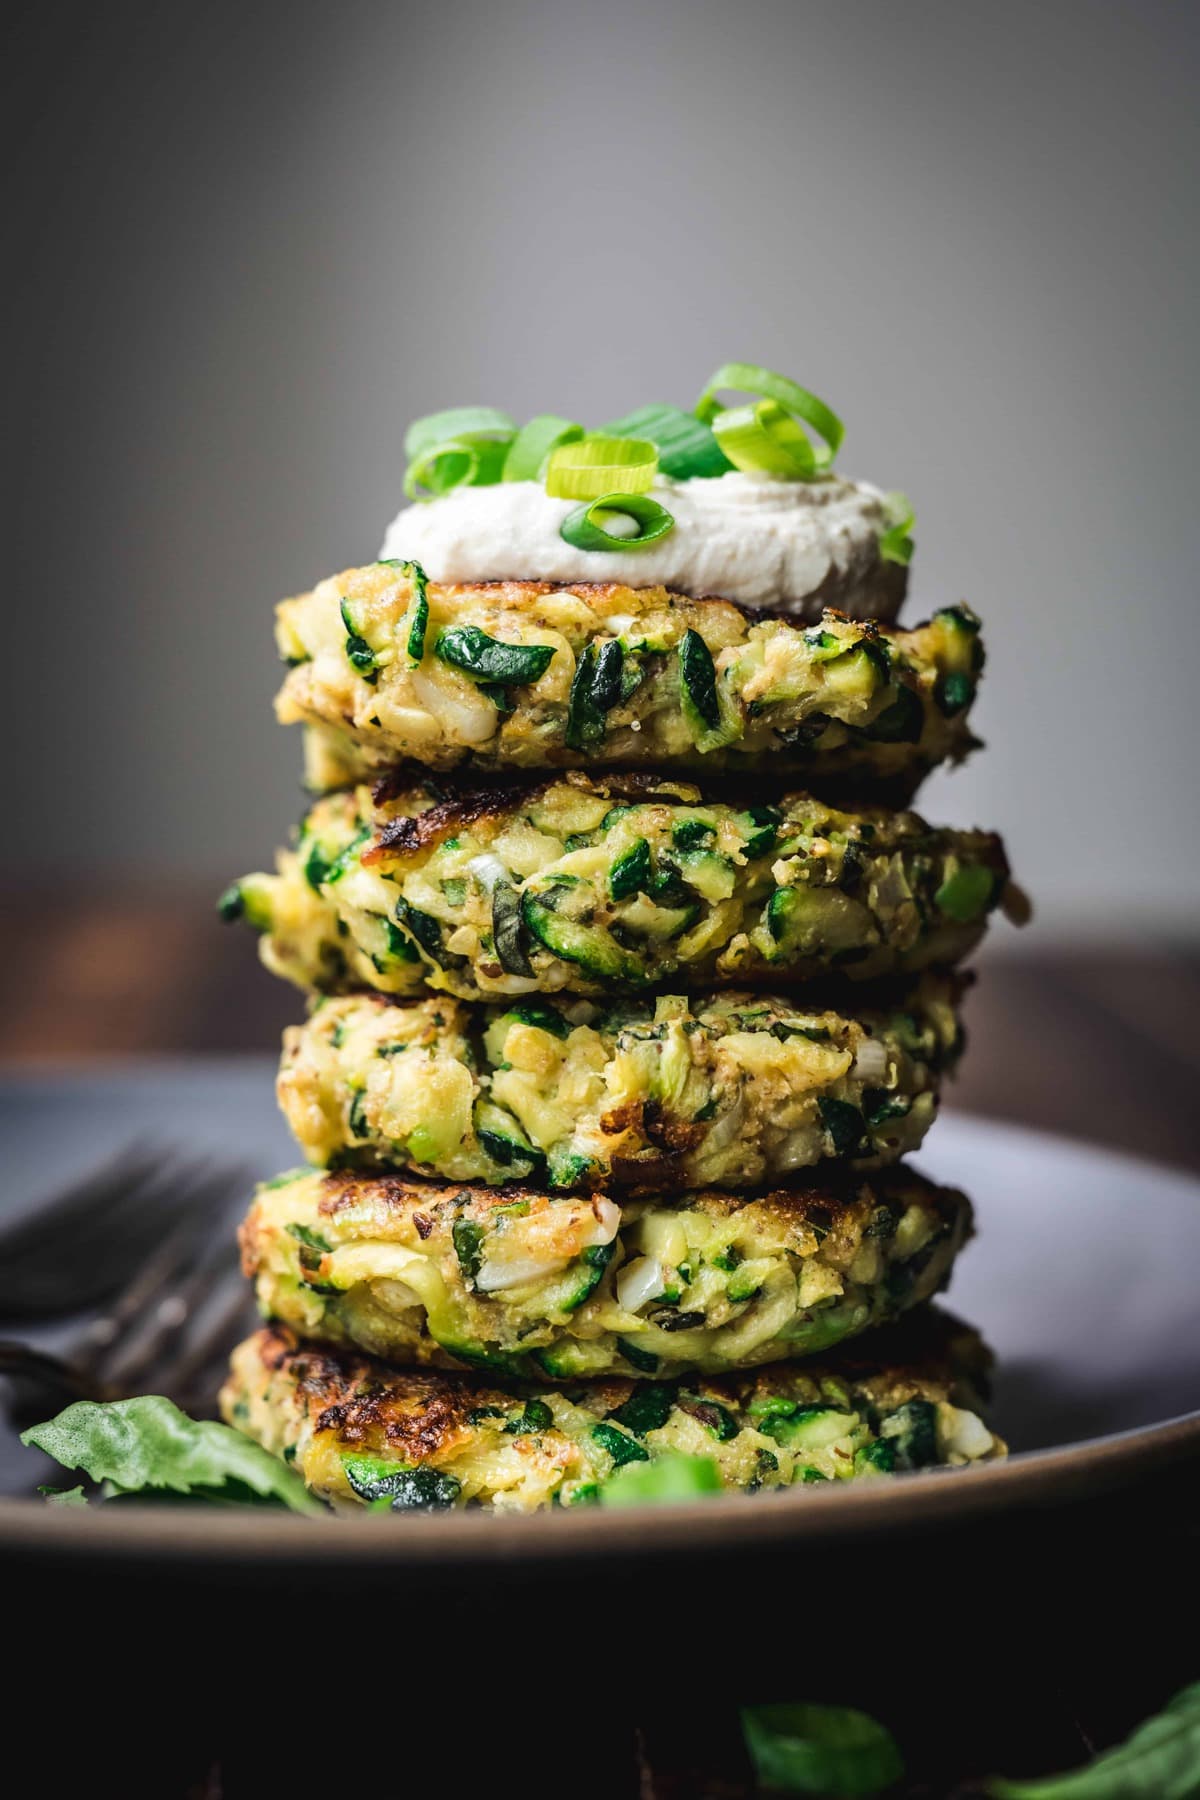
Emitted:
pixel 167 1327
pixel 76 1249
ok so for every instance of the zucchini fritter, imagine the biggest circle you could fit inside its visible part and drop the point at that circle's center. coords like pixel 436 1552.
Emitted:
pixel 548 1286
pixel 728 1090
pixel 359 1432
pixel 526 675
pixel 611 885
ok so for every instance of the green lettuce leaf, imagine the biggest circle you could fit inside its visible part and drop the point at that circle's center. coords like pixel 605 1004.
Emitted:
pixel 1161 1761
pixel 147 1446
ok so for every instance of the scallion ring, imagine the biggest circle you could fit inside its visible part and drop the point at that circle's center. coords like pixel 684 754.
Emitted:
pixel 465 446
pixel 470 422
pixel 459 462
pixel 751 378
pixel 896 544
pixel 686 445
pixel 601 466
pixel 529 450
pixel 764 439
pixel 586 526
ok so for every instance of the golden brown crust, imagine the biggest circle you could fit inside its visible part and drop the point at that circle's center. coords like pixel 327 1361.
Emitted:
pixel 828 1203
pixel 427 1413
pixel 468 801
pixel 517 592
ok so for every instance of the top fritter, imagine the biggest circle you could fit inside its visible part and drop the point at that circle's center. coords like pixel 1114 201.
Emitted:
pixel 518 675
pixel 677 591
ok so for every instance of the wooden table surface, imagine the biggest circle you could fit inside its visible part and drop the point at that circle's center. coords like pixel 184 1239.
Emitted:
pixel 1096 1044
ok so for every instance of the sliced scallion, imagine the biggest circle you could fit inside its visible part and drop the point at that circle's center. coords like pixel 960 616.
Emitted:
pixel 527 454
pixel 601 466
pixel 463 446
pixel 686 445
pixel 424 435
pixel 764 439
pixel 587 527
pixel 459 462
pixel 765 384
pixel 896 544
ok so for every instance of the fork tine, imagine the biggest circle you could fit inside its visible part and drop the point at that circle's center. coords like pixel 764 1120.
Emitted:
pixel 82 1198
pixel 103 1339
pixel 159 1313
pixel 149 1193
pixel 84 1262
pixel 193 1377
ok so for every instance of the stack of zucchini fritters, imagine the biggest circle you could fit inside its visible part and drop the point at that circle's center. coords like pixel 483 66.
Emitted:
pixel 630 988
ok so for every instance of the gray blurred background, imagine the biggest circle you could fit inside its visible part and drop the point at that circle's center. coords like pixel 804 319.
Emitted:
pixel 248 243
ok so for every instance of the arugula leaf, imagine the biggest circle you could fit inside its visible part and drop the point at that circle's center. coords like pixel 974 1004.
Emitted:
pixel 798 1749
pixel 63 1496
pixel 147 1445
pixel 1161 1761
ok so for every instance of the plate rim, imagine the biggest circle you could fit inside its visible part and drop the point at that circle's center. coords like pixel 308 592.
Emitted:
pixel 1055 1477
pixel 1052 1476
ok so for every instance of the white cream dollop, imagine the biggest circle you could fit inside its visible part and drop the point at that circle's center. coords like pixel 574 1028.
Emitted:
pixel 790 546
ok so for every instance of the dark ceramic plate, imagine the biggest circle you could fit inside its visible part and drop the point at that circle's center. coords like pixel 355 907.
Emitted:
pixel 1083 1280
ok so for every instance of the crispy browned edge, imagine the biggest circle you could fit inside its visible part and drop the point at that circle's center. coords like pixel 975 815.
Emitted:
pixel 821 1201
pixel 515 590
pixel 640 1176
pixel 422 1414
pixel 888 993
pixel 466 801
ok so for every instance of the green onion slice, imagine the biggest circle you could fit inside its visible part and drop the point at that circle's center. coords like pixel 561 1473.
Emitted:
pixel 896 544
pixel 764 439
pixel 459 462
pixel 529 450
pixel 751 378
pixel 686 445
pixel 601 466
pixel 463 446
pixel 586 526
pixel 456 422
